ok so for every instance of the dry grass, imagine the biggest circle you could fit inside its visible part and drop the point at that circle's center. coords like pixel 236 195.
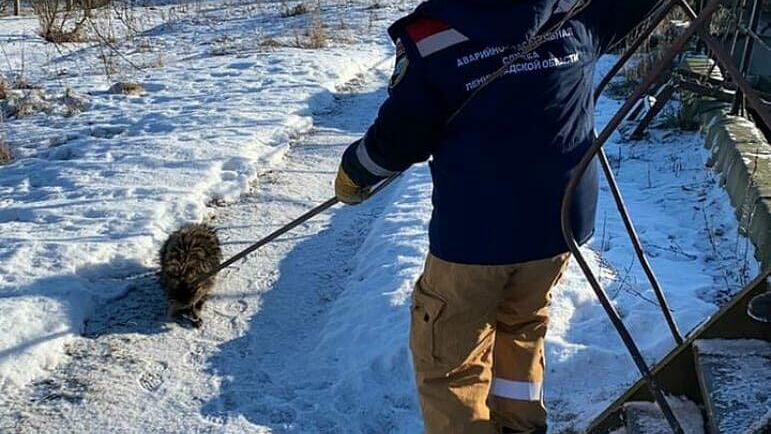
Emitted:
pixel 20 106
pixel 60 21
pixel 270 43
pixel 62 37
pixel 73 102
pixel 127 88
pixel 293 11
pixel 723 22
pixel 5 86
pixel 5 153
pixel 317 34
pixel 108 61
pixel 620 88
pixel 646 57
pixel 313 37
pixel 683 117
pixel 23 84
pixel 32 103
pixel 65 21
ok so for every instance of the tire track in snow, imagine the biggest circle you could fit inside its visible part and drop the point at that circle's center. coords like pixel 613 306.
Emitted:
pixel 131 372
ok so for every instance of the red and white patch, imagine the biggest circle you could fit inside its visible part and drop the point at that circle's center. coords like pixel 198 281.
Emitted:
pixel 432 36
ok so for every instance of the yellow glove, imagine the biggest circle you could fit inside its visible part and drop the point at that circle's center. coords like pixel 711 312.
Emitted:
pixel 347 191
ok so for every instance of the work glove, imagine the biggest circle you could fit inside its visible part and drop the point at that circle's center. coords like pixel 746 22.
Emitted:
pixel 347 191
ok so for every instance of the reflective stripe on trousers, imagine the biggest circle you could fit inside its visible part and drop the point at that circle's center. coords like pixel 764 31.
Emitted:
pixel 477 340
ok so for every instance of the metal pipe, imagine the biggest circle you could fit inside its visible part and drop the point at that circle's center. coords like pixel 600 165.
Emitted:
pixel 638 248
pixel 735 39
pixel 657 19
pixel 567 228
pixel 616 192
pixel 725 59
pixel 724 39
pixel 749 45
pixel 284 229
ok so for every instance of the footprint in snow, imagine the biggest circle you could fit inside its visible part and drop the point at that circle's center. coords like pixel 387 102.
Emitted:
pixel 107 132
pixel 216 419
pixel 241 65
pixel 238 307
pixel 153 377
pixel 219 74
pixel 196 356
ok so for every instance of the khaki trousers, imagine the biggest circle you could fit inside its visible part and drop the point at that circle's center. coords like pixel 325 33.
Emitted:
pixel 477 341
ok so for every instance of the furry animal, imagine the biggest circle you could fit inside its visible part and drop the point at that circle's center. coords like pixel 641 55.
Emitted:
pixel 188 254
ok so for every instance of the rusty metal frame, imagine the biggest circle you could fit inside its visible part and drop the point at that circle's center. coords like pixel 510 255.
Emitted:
pixel 749 46
pixel 721 89
pixel 674 369
pixel 663 97
pixel 697 27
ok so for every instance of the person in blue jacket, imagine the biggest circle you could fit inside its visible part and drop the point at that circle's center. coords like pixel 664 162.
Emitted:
pixel 503 148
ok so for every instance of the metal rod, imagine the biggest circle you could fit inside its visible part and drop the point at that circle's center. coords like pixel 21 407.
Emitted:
pixel 735 39
pixel 724 39
pixel 725 59
pixel 655 21
pixel 754 35
pixel 749 45
pixel 638 248
pixel 718 93
pixel 284 229
pixel 567 228
pixel 616 192
pixel 751 95
pixel 663 97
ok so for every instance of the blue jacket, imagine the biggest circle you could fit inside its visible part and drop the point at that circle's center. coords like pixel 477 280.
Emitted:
pixel 500 168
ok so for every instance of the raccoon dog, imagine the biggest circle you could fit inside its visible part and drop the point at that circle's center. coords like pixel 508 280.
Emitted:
pixel 188 254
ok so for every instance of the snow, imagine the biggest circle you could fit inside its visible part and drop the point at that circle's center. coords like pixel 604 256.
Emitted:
pixel 736 374
pixel 310 334
pixel 649 419
pixel 105 187
pixel 732 347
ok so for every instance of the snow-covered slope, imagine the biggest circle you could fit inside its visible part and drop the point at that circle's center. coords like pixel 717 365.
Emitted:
pixel 91 196
pixel 310 334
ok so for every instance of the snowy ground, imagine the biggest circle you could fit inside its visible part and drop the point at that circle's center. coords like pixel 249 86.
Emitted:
pixel 308 335
pixel 93 195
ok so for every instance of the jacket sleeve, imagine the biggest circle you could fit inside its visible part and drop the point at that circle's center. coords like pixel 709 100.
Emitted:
pixel 407 126
pixel 612 20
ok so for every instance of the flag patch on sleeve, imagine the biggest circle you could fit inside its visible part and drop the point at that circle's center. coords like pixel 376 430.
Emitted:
pixel 432 36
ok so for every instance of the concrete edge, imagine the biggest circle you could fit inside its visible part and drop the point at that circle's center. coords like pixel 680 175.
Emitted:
pixel 742 156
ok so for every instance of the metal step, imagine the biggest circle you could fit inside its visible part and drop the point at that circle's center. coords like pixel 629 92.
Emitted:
pixel 644 417
pixel 735 378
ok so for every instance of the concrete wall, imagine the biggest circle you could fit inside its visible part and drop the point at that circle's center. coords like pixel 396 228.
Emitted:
pixel 742 156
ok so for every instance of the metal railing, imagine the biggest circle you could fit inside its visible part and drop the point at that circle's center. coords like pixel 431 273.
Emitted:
pixel 697 27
